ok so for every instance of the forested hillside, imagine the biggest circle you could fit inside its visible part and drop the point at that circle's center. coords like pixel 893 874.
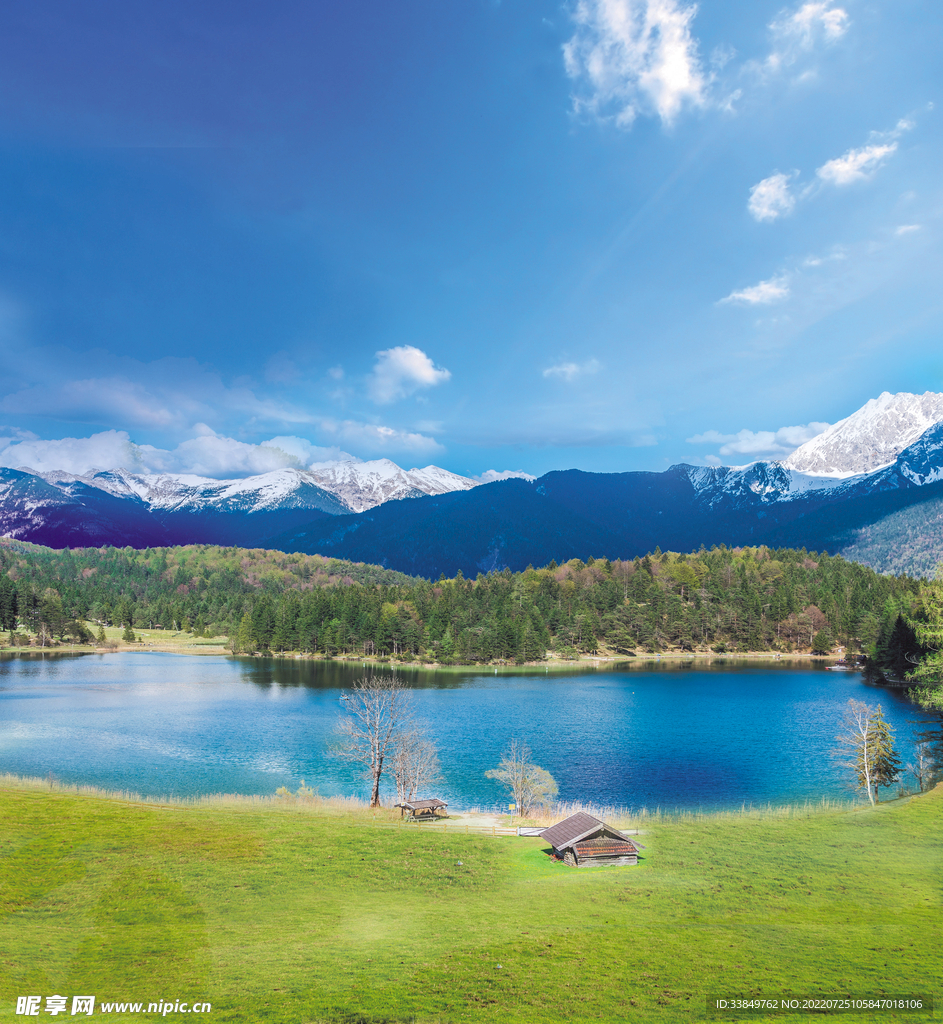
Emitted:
pixel 199 588
pixel 898 531
pixel 907 541
pixel 725 599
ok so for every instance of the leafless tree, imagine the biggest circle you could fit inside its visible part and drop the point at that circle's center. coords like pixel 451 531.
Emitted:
pixel 922 768
pixel 378 710
pixel 415 763
pixel 528 783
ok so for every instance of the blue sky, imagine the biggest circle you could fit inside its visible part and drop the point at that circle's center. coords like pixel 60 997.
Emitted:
pixel 605 234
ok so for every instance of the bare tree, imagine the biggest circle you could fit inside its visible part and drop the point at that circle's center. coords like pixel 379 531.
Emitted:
pixel 923 767
pixel 377 711
pixel 415 763
pixel 528 783
pixel 867 748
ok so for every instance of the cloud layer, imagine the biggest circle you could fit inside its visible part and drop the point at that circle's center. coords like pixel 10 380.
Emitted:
pixel 490 475
pixel 775 444
pixel 208 454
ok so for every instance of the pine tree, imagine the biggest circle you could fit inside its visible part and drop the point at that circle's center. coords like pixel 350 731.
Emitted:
pixel 897 649
pixel 821 643
pixel 7 603
pixel 246 637
pixel 447 647
pixel 887 764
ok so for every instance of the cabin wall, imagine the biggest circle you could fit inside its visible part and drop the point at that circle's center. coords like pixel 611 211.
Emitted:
pixel 570 858
pixel 591 862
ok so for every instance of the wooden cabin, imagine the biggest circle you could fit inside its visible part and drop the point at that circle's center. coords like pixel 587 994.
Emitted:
pixel 583 841
pixel 423 809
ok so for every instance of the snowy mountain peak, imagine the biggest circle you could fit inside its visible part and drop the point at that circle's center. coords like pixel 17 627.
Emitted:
pixel 870 438
pixel 363 485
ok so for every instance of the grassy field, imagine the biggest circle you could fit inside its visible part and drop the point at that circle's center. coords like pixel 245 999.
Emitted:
pixel 173 641
pixel 296 914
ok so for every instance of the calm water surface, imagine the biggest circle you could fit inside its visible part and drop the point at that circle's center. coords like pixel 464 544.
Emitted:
pixel 652 736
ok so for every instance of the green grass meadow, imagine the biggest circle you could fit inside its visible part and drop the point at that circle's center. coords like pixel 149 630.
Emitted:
pixel 290 914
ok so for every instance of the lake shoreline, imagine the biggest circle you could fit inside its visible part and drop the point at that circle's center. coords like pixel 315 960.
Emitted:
pixel 196 647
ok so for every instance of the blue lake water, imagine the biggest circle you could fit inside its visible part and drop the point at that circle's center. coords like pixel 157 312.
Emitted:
pixel 650 736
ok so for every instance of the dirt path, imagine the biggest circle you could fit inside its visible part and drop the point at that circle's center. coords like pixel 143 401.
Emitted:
pixel 476 819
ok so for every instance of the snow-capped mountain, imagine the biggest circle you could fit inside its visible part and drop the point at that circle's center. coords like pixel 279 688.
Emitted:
pixel 888 443
pixel 870 438
pixel 571 514
pixel 166 492
pixel 363 485
pixel 335 488
pixel 120 507
pixel 863 468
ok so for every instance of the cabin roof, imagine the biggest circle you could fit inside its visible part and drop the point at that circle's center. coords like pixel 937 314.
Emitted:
pixel 605 848
pixel 579 826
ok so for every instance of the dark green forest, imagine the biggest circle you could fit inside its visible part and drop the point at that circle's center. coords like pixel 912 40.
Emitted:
pixel 720 600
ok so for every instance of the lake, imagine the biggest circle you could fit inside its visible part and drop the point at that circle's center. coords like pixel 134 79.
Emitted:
pixel 653 735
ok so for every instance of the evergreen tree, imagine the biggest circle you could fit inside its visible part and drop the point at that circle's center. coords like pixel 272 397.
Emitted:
pixel 887 764
pixel 821 643
pixel 8 605
pixel 929 673
pixel 246 642
pixel 898 650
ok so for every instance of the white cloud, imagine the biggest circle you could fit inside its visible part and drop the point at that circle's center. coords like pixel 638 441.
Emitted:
pixel 758 443
pixel 306 453
pixel 855 164
pixel 774 290
pixel 798 32
pixel 813 21
pixel 570 371
pixel 907 229
pixel 401 371
pixel 214 455
pixel 771 198
pixel 634 56
pixel 111 449
pixel 490 475
pixel 208 454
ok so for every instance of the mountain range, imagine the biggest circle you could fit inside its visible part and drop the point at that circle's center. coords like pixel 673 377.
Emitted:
pixel 870 486
pixel 115 506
